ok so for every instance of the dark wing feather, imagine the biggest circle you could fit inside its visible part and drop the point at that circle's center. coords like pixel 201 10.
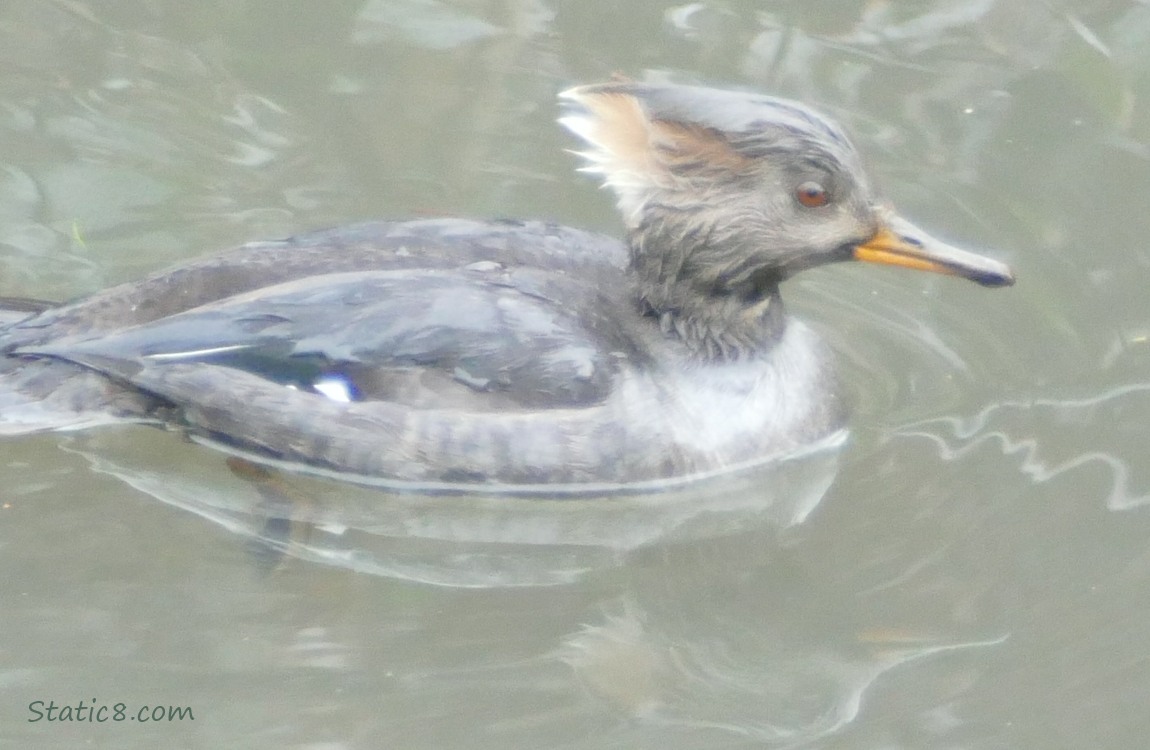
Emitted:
pixel 511 334
pixel 372 246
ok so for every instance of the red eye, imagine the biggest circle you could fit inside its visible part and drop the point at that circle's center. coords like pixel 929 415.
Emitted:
pixel 811 194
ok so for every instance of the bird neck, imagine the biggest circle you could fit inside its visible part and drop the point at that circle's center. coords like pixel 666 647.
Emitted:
pixel 696 280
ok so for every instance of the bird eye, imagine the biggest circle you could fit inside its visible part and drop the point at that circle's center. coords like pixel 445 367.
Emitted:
pixel 812 194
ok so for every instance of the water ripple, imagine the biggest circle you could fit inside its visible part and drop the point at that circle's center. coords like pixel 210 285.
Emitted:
pixel 1052 437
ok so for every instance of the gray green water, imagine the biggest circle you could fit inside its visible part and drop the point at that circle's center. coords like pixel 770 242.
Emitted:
pixel 975 576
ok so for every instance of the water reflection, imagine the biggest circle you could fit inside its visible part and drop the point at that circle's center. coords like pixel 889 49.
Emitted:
pixel 748 681
pixel 462 540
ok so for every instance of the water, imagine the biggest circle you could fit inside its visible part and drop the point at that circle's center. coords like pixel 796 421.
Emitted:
pixel 974 576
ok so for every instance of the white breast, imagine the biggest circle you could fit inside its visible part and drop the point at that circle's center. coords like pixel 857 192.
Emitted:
pixel 728 413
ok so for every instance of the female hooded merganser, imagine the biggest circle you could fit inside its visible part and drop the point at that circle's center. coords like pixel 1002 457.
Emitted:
pixel 512 353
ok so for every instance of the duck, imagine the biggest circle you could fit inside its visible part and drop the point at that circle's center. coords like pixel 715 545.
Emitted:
pixel 510 354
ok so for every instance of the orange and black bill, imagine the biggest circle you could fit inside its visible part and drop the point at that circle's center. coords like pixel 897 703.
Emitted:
pixel 900 243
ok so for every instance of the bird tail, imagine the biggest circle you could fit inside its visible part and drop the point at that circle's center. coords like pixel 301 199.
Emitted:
pixel 48 394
